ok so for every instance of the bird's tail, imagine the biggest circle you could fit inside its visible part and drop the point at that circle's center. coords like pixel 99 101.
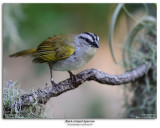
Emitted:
pixel 28 52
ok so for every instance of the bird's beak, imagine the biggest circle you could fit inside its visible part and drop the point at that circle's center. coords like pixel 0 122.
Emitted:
pixel 96 44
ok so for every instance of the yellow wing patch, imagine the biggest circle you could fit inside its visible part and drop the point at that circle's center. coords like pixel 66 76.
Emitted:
pixel 53 49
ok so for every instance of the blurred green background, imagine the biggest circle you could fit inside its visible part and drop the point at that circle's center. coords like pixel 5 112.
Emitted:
pixel 36 22
pixel 27 25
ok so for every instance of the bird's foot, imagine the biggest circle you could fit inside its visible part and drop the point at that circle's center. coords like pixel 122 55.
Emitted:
pixel 73 78
pixel 54 85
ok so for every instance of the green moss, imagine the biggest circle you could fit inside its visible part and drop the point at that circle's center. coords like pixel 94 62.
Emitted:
pixel 11 93
pixel 140 47
pixel 145 89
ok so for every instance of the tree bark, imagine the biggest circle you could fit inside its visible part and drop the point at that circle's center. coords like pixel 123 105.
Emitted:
pixel 43 95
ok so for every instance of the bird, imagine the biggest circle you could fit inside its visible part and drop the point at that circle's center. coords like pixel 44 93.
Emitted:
pixel 64 52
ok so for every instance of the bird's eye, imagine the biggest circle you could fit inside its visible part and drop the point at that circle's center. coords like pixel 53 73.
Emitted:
pixel 87 40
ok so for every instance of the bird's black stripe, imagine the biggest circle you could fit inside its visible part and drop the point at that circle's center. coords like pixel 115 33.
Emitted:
pixel 90 42
pixel 90 35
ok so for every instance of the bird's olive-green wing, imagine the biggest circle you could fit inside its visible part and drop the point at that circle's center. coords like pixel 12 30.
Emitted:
pixel 54 48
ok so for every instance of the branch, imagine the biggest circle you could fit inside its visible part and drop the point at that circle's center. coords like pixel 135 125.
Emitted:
pixel 42 96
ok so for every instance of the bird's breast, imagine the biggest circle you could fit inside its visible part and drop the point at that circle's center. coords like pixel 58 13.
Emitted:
pixel 79 58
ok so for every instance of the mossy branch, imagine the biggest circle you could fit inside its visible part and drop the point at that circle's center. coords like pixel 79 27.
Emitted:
pixel 43 95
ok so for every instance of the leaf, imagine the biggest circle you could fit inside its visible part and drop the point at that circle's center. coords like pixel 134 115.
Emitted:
pixel 133 17
pixel 113 23
pixel 111 29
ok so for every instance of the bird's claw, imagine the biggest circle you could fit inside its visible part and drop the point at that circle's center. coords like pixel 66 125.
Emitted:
pixel 73 77
pixel 54 85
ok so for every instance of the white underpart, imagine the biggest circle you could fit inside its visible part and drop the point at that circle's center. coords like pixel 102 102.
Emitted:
pixel 82 55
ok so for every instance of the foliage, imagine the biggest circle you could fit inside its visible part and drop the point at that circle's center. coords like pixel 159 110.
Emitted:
pixel 140 47
pixel 11 92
